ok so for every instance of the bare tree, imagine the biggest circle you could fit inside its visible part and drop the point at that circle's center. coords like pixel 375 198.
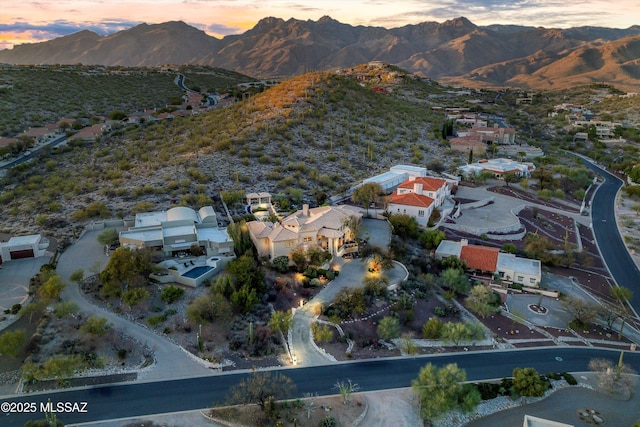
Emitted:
pixel 582 311
pixel 614 379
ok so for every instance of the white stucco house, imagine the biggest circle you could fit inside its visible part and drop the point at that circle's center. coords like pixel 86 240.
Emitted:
pixel 326 227
pixel 417 197
pixel 178 228
pixel 498 167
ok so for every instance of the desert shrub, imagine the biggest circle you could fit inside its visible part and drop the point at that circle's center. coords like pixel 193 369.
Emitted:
pixel 171 294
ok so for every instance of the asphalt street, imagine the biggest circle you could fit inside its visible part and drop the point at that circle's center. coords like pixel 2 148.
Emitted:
pixel 616 256
pixel 129 400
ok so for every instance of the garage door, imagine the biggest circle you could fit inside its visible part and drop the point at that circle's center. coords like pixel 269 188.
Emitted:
pixel 26 253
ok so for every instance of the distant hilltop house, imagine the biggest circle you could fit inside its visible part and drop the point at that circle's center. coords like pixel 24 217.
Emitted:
pixel 23 247
pixel 327 227
pixel 479 138
pixel 498 167
pixel 418 197
pixel 177 230
pixel 483 260
pixel 604 129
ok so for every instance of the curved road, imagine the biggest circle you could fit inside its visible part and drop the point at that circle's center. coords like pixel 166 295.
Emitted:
pixel 616 256
pixel 130 400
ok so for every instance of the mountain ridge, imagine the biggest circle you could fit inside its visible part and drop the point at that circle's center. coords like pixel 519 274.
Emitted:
pixel 455 50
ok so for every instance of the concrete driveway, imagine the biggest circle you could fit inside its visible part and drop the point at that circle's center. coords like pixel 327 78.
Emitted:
pixel 556 316
pixel 14 280
pixel 351 274
pixel 376 232
pixel 172 362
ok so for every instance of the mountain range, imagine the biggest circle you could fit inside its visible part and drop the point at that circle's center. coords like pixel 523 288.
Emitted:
pixel 455 51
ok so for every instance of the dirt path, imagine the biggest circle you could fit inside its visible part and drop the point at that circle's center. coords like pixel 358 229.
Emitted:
pixel 392 408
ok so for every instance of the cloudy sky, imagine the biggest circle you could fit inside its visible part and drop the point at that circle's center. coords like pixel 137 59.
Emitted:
pixel 25 21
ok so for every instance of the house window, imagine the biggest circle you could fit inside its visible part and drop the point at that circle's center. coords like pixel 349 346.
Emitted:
pixel 420 213
pixel 307 239
pixel 404 211
pixel 288 244
pixel 520 278
pixel 532 280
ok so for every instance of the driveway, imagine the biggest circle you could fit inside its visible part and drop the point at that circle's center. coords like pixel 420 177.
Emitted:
pixel 14 280
pixel 556 316
pixel 376 232
pixel 351 274
pixel 562 406
pixel 172 362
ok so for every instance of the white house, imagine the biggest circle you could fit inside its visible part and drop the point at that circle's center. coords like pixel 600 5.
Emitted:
pixel 326 227
pixel 498 167
pixel 23 247
pixel 177 229
pixel 418 197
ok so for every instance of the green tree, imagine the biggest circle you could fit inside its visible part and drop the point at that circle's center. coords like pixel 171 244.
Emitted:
pixel 51 289
pixel 404 225
pixel 209 308
pixel 432 238
pixel 239 233
pixel 432 329
pixel 453 279
pixel 126 268
pixel 261 388
pixel 453 262
pixel 11 342
pixel 246 273
pixel 527 382
pixel 65 308
pixel 322 333
pixel 457 332
pixel 367 194
pixel 281 321
pixel 440 390
pixel 244 298
pixel 481 301
pixel 108 237
pixel 96 325
pixel 388 328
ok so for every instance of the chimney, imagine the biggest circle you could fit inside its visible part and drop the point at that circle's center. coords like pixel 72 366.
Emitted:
pixel 305 209
pixel 464 242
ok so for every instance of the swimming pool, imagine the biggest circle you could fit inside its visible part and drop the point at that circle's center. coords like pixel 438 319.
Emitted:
pixel 196 272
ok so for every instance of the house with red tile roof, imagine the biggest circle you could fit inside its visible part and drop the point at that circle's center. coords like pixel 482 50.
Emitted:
pixel 482 260
pixel 417 197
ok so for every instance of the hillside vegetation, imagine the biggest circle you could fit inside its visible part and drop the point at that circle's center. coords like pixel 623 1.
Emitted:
pixel 37 95
pixel 313 134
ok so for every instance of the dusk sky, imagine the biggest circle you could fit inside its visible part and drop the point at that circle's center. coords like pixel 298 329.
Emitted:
pixel 39 20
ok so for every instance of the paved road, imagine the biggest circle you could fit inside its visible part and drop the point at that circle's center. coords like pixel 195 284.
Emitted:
pixel 129 400
pixel 171 361
pixel 615 254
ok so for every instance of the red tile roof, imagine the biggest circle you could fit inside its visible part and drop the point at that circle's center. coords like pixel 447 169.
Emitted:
pixel 428 183
pixel 410 199
pixel 480 257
